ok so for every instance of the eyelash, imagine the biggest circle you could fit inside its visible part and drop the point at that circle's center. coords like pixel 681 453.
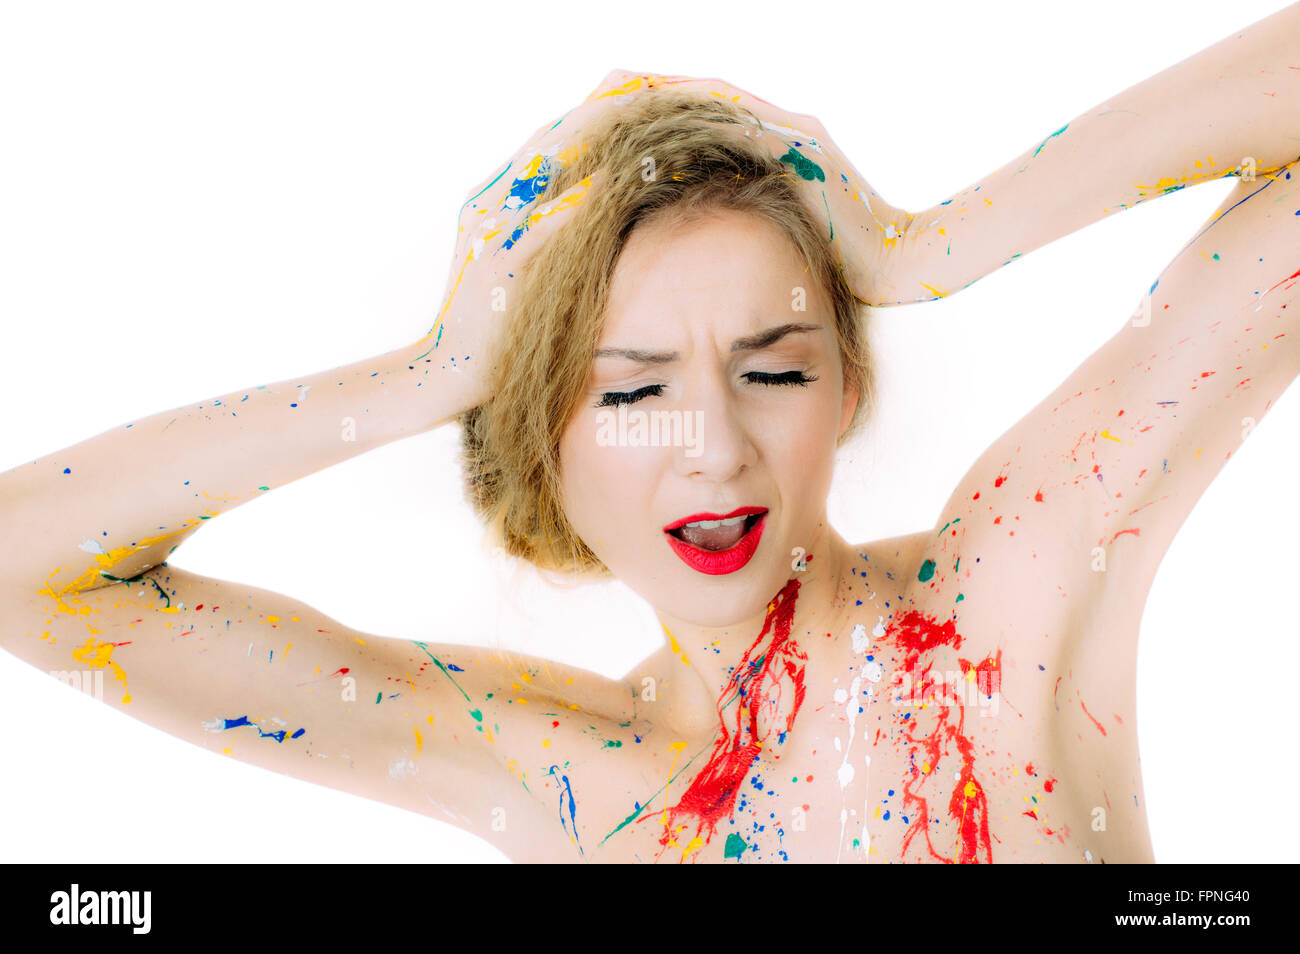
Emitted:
pixel 615 398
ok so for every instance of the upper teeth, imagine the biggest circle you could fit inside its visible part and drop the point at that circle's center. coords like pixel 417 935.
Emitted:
pixel 711 524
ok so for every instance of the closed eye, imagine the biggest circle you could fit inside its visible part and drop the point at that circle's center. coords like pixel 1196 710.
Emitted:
pixel 785 377
pixel 615 398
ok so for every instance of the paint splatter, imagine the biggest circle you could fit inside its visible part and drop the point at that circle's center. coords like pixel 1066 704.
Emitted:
pixel 805 167
pixel 769 669
pixel 221 725
pixel 916 634
pixel 567 803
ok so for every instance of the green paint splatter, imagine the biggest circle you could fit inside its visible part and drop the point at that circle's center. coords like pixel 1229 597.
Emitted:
pixel 475 713
pixel 636 813
pixel 1052 136
pixel 805 167
pixel 927 571
pixel 735 846
pixel 1215 256
pixel 960 597
pixel 438 662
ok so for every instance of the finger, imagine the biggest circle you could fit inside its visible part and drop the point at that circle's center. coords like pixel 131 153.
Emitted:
pixel 529 230
pixel 627 83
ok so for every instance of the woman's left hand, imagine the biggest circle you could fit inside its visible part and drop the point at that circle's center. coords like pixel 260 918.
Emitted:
pixel 865 228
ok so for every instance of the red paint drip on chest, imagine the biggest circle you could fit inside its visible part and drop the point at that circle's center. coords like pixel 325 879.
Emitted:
pixel 770 667
pixel 916 634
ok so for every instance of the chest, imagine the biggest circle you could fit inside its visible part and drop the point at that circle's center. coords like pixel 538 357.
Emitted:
pixel 925 744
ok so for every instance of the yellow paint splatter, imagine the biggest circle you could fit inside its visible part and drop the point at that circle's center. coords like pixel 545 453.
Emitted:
pixel 676 749
pixel 97 655
pixel 676 649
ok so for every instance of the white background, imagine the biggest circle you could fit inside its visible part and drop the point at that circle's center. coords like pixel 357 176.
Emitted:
pixel 199 198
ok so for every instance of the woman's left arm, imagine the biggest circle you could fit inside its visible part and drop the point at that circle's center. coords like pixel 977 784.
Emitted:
pixel 1232 109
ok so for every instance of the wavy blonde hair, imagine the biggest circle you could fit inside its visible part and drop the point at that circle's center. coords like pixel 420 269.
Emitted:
pixel 702 161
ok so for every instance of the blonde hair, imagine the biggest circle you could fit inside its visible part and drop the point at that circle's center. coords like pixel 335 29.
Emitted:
pixel 702 161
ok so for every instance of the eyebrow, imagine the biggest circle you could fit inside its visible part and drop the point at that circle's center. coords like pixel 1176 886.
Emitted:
pixel 755 342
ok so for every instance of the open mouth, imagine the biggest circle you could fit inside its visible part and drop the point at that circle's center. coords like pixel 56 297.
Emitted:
pixel 717 543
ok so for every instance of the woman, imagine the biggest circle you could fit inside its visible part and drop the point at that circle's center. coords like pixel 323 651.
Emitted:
pixel 942 696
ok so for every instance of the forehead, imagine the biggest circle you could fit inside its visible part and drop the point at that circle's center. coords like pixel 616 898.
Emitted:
pixel 725 269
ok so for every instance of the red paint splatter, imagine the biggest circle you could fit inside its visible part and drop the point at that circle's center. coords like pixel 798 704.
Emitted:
pixel 977 496
pixel 988 674
pixel 998 482
pixel 759 680
pixel 1038 496
pixel 1100 728
pixel 1049 786
pixel 1283 282
pixel 915 633
pixel 1133 530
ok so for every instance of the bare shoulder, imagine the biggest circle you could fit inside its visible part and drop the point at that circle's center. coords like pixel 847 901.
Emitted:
pixel 893 553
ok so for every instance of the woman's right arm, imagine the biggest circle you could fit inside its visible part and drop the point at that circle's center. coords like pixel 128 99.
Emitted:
pixel 86 595
pixel 114 505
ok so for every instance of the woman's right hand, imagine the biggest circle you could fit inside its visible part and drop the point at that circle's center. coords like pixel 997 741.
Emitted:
pixel 501 225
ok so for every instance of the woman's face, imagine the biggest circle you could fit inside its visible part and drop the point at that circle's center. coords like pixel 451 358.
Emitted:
pixel 717 390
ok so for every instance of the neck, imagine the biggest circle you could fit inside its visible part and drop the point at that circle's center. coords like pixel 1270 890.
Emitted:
pixel 712 655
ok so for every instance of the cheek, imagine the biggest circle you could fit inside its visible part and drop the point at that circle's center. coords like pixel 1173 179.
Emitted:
pixel 600 486
pixel 802 452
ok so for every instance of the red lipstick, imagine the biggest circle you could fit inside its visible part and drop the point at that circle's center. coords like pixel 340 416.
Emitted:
pixel 719 562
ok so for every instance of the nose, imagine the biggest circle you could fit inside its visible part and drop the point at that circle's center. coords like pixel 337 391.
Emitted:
pixel 717 445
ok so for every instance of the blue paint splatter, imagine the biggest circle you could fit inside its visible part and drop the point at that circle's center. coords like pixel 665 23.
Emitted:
pixel 566 796
pixel 279 735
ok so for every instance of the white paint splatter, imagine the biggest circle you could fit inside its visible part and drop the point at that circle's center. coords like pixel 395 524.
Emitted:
pixel 860 641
